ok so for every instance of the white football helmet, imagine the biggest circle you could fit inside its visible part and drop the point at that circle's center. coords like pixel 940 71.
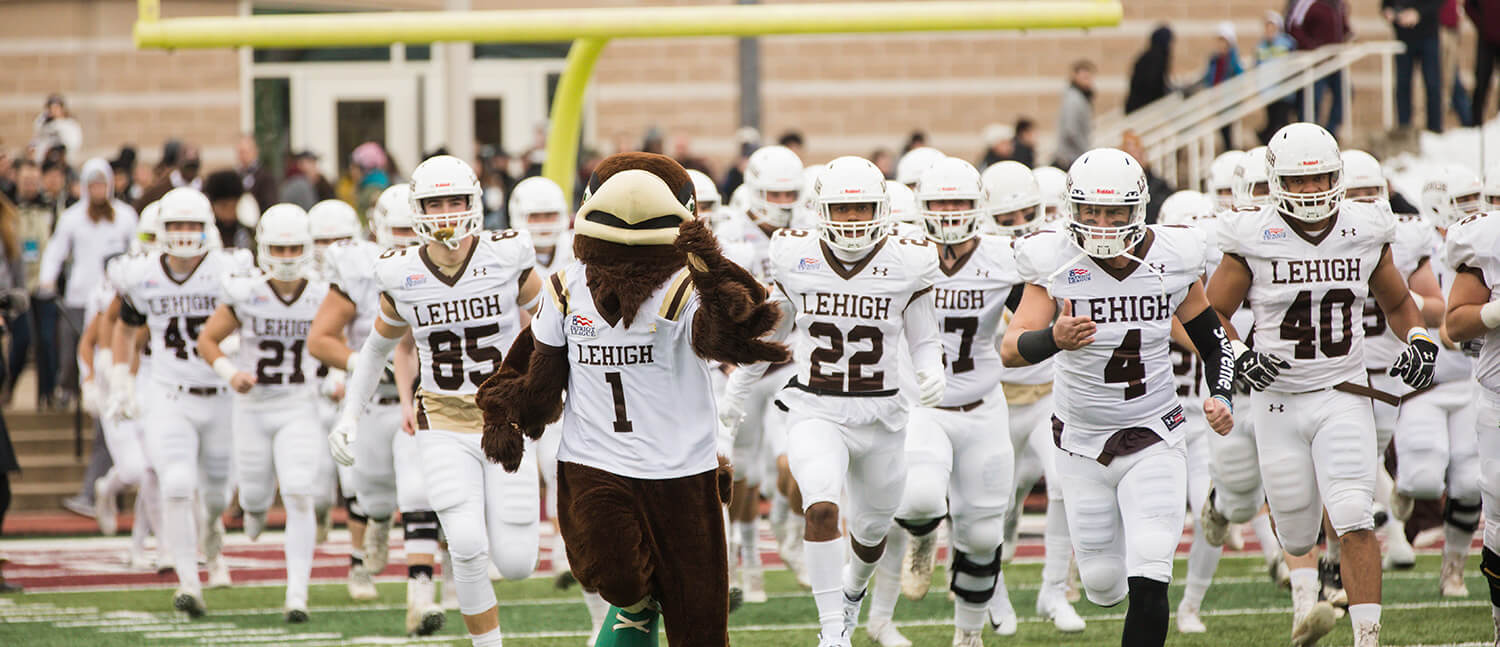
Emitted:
pixel 1252 182
pixel 1053 183
pixel 706 197
pixel 148 230
pixel 739 200
pixel 1107 177
pixel 847 180
pixel 1305 149
pixel 539 196
pixel 1492 187
pixel 1451 194
pixel 1221 179
pixel 185 205
pixel 393 211
pixel 949 178
pixel 1184 207
pixel 443 176
pixel 284 225
pixel 911 165
pixel 1362 173
pixel 903 203
pixel 772 168
pixel 1010 187
pixel 331 221
pixel 807 204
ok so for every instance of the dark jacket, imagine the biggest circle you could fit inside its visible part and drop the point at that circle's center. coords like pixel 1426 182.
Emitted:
pixel 1486 17
pixel 1315 23
pixel 260 183
pixel 1150 79
pixel 1426 28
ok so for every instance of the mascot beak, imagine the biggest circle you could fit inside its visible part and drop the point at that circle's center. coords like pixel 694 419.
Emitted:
pixel 633 207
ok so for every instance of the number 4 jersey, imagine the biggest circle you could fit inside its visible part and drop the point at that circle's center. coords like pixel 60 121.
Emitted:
pixel 273 334
pixel 175 310
pixel 1308 291
pixel 1123 380
pixel 462 324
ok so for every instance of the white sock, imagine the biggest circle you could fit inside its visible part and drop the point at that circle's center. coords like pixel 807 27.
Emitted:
pixel 746 536
pixel 140 527
pixel 301 537
pixel 1305 587
pixel 112 482
pixel 825 563
pixel 1362 614
pixel 857 574
pixel 887 589
pixel 1456 541
pixel 1335 550
pixel 1203 560
pixel 1395 530
pixel 780 508
pixel 598 608
pixel 489 638
pixel 1000 604
pixel 182 538
pixel 1270 546
pixel 1059 545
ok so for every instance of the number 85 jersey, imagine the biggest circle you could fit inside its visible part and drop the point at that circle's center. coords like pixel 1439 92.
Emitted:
pixel 1308 291
pixel 1124 379
pixel 462 324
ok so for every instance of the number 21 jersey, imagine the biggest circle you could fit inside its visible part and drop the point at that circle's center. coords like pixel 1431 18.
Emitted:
pixel 273 334
pixel 1308 291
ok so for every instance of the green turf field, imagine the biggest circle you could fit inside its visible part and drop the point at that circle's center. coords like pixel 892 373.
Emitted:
pixel 1242 608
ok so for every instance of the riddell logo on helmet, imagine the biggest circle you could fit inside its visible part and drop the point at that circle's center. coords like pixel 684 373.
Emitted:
pixel 442 185
pixel 1309 162
pixel 851 190
pixel 1104 191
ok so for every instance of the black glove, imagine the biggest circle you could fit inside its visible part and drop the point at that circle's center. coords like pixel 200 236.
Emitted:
pixel 1472 347
pixel 1257 369
pixel 1416 363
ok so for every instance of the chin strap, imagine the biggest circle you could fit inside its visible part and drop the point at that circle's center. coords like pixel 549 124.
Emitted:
pixel 1160 277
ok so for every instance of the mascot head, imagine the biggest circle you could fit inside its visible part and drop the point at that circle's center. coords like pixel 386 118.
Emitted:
pixel 625 229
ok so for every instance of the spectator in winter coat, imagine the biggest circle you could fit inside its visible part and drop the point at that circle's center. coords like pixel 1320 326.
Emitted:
pixel 1416 25
pixel 1274 44
pixel 1486 17
pixel 1075 119
pixel 1151 77
pixel 56 127
pixel 1223 64
pixel 1313 24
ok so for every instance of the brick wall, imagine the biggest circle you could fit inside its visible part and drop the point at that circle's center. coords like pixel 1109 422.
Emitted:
pixel 848 94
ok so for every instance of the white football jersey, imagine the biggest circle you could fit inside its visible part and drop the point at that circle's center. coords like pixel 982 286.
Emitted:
pixel 1124 379
pixel 464 324
pixel 1415 241
pixel 1473 245
pixel 640 401
pixel 849 319
pixel 349 269
pixel 747 245
pixel 560 257
pixel 273 334
pixel 1308 292
pixel 175 312
pixel 1452 365
pixel 970 301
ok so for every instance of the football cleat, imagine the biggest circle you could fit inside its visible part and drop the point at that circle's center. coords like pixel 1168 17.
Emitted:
pixel 885 634
pixel 189 602
pixel 218 573
pixel 1332 578
pixel 1311 628
pixel 105 510
pixel 1188 621
pixel 1401 505
pixel 917 565
pixel 841 640
pixel 851 612
pixel 361 585
pixel 1214 524
pixel 1399 554
pixel 423 618
pixel 1451 580
pixel 1054 606
pixel 1004 622
pixel 963 638
pixel 296 615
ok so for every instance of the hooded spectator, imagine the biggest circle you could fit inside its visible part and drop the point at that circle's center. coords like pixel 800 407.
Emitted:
pixel 1223 64
pixel 1151 77
pixel 370 162
pixel 256 180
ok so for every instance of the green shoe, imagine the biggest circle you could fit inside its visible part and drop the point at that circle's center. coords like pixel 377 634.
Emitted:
pixel 624 629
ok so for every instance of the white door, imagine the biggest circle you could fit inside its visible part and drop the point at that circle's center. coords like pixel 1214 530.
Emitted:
pixel 511 101
pixel 338 106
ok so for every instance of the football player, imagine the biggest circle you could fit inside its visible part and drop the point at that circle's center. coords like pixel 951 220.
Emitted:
pixel 463 294
pixel 1053 183
pixel 1436 441
pixel 1014 208
pixel 852 292
pixel 278 435
pixel 1118 424
pixel 172 293
pixel 387 474
pixel 710 204
pixel 1472 250
pixel 1221 180
pixel 1307 263
pixel 913 163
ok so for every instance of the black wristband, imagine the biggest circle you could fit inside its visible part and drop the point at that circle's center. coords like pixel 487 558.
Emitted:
pixel 1214 349
pixel 1036 346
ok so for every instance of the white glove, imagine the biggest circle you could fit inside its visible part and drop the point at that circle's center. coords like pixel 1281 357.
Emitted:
pixel 732 410
pixel 104 360
pixel 91 397
pixel 341 441
pixel 331 384
pixel 930 387
pixel 122 397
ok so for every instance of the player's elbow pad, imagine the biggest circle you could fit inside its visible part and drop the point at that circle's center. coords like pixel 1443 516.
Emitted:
pixel 130 316
pixel 1214 348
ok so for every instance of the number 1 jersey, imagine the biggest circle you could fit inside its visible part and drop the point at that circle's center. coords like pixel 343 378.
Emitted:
pixel 1308 291
pixel 273 334
pixel 175 312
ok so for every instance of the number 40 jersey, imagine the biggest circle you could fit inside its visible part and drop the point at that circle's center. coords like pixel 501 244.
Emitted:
pixel 273 334
pixel 175 312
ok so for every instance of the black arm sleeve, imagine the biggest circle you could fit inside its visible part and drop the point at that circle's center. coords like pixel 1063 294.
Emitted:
pixel 130 316
pixel 1035 346
pixel 1213 347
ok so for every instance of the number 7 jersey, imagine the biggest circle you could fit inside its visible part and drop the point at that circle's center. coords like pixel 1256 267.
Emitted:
pixel 462 324
pixel 1308 292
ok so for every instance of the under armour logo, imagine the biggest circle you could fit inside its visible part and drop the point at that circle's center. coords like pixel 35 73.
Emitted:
pixel 1346 232
pixel 481 271
pixel 1278 408
pixel 983 273
pixel 880 271
pixel 1159 268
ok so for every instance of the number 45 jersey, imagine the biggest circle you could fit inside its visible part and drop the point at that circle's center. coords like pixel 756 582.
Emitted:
pixel 175 312
pixel 462 324
pixel 1123 380
pixel 1308 292
pixel 273 335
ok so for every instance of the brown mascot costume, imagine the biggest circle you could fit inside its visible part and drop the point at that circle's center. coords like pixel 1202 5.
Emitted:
pixel 626 331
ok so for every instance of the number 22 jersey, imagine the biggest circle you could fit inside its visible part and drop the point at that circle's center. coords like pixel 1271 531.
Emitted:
pixel 1124 379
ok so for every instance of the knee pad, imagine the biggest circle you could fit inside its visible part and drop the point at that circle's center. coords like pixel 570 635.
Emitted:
pixel 1103 580
pixel 471 576
pixel 1463 515
pixel 1349 509
pixel 516 558
pixel 919 528
pixel 868 528
pixel 178 481
pixel 421 527
pixel 1489 563
pixel 1420 484
pixel 926 493
pixel 298 503
pixel 377 500
pixel 974 582
pixel 356 511
pixel 978 536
